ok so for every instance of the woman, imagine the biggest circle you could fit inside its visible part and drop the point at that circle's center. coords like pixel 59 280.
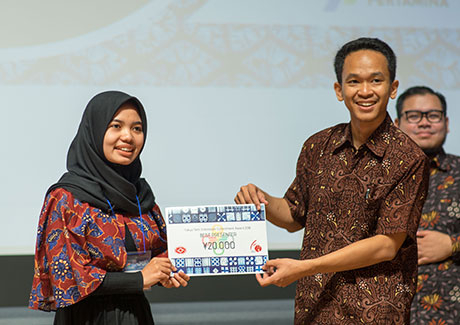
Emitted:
pixel 99 220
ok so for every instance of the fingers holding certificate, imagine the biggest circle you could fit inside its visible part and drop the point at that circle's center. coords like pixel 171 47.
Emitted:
pixel 217 240
pixel 251 194
pixel 280 272
pixel 176 280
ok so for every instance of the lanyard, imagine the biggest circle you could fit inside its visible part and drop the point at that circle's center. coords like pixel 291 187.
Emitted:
pixel 140 215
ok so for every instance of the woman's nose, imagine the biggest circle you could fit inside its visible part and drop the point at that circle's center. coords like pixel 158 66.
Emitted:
pixel 126 135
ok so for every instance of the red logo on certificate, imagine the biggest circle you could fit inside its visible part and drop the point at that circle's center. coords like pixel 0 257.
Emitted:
pixel 180 250
pixel 255 247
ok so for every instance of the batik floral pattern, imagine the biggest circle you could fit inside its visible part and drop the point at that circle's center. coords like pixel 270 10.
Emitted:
pixel 342 195
pixel 437 298
pixel 77 244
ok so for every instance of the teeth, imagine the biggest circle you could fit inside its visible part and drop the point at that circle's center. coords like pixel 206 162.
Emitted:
pixel 125 149
pixel 366 104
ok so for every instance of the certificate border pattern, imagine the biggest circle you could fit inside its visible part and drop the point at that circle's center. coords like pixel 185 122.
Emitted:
pixel 212 214
pixel 220 265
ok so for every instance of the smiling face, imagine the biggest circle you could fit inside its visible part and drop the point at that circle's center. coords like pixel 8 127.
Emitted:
pixel 366 87
pixel 124 137
pixel 428 135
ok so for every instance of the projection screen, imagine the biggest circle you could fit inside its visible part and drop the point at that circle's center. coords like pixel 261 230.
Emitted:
pixel 232 88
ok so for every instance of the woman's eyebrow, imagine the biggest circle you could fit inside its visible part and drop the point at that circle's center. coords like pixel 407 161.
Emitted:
pixel 120 121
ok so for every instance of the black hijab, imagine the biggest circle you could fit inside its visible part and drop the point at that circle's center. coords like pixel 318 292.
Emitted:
pixel 90 177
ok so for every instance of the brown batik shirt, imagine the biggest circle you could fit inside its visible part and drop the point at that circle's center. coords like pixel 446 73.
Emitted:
pixel 342 195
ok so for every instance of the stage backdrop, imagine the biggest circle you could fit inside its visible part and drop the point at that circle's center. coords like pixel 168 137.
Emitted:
pixel 231 88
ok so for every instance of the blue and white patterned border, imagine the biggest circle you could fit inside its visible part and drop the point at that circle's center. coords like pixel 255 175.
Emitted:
pixel 216 213
pixel 220 265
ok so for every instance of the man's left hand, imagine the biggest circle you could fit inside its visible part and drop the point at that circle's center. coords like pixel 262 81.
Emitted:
pixel 281 272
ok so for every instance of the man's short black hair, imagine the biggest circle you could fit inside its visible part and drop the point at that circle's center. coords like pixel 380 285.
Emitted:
pixel 419 90
pixel 365 43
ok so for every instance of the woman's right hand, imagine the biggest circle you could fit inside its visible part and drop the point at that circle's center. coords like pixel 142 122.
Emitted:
pixel 157 270
pixel 179 279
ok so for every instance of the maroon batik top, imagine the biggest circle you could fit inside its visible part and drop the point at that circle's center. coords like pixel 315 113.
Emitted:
pixel 342 195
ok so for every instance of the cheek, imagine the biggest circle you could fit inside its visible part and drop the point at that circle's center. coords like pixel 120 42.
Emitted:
pixel 347 94
pixel 140 141
pixel 105 148
pixel 109 139
pixel 108 143
pixel 407 128
pixel 441 132
pixel 412 128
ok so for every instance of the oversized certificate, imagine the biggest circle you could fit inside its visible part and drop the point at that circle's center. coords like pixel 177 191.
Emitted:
pixel 218 239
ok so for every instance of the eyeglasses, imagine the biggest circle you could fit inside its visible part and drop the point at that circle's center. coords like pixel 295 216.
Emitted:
pixel 433 116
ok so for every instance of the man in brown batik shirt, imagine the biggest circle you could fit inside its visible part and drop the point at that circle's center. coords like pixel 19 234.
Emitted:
pixel 358 192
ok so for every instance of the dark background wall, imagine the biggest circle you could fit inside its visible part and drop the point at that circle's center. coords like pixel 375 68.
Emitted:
pixel 16 280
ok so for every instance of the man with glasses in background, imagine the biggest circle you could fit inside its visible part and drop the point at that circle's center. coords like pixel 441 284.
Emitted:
pixel 422 115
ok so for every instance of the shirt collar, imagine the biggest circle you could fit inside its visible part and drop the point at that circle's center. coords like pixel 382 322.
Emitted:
pixel 377 142
pixel 439 161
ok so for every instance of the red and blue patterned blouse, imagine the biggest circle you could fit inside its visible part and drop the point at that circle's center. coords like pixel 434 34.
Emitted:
pixel 77 244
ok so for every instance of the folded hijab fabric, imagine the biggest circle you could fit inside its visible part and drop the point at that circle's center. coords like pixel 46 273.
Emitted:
pixel 90 177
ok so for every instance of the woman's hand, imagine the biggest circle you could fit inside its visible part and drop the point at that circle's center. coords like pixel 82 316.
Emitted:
pixel 157 270
pixel 177 280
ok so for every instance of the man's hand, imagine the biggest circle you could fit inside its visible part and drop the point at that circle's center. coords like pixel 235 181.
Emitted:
pixel 282 272
pixel 251 194
pixel 433 246
pixel 277 209
pixel 364 252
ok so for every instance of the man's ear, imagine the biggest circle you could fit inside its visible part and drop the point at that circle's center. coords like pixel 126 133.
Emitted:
pixel 394 89
pixel 338 91
pixel 397 122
